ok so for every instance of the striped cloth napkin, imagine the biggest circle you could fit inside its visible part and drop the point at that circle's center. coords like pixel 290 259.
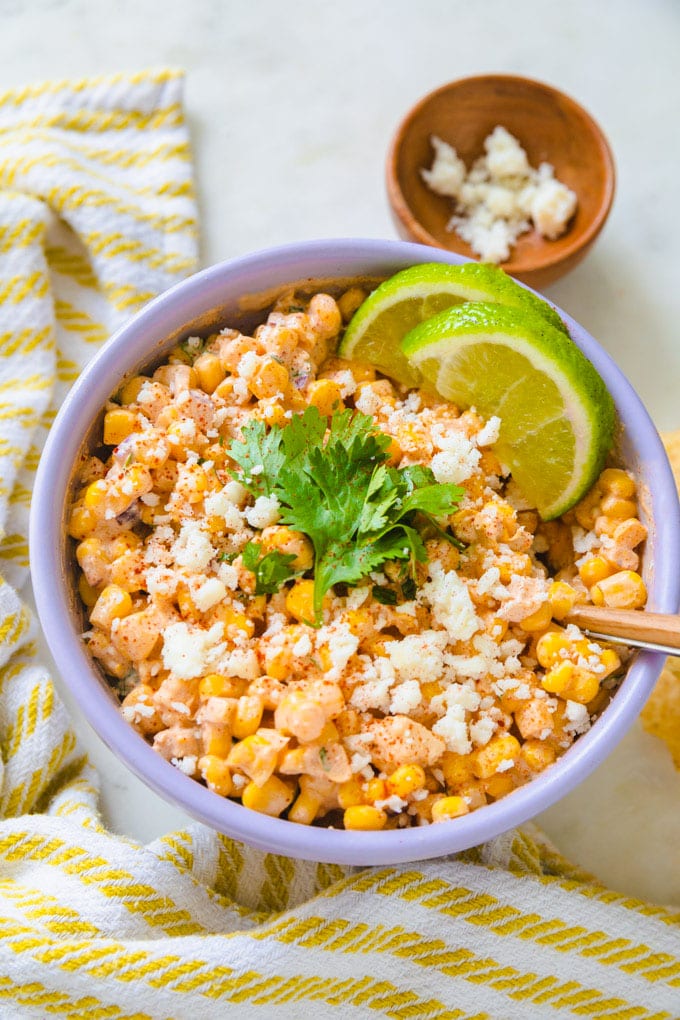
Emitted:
pixel 97 215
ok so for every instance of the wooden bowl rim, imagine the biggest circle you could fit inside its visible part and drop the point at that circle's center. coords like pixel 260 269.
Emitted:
pixel 512 265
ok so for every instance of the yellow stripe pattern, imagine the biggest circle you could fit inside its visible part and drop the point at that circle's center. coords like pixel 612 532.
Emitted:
pixel 97 215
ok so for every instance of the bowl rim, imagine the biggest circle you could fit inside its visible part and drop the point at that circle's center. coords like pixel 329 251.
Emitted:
pixel 182 303
pixel 513 265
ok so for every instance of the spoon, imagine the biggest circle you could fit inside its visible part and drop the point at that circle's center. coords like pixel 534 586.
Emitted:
pixel 657 632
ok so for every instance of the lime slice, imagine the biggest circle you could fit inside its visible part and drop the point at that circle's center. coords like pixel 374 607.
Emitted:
pixel 413 295
pixel 557 416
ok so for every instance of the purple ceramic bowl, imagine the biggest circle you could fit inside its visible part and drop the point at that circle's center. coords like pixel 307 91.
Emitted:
pixel 212 298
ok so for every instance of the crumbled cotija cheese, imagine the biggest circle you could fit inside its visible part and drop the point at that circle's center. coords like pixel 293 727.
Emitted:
pixel 501 196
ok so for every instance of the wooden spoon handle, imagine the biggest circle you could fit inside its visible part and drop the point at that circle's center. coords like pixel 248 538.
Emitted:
pixel 659 629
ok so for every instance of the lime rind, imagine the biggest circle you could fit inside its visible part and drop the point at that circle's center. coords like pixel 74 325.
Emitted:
pixel 414 295
pixel 443 347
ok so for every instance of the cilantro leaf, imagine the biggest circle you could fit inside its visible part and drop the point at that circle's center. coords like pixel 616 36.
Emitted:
pixel 271 570
pixel 259 451
pixel 387 596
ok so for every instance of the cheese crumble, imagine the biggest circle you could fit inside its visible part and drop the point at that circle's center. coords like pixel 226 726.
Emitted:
pixel 501 196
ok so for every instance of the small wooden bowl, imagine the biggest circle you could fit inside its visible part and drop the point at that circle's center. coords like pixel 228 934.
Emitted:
pixel 550 126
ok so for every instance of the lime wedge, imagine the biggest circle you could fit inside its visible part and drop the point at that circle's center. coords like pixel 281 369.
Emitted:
pixel 408 298
pixel 557 416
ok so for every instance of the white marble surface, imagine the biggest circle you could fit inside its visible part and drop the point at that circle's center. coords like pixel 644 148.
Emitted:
pixel 291 109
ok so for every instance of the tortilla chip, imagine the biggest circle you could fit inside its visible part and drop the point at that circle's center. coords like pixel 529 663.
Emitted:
pixel 661 714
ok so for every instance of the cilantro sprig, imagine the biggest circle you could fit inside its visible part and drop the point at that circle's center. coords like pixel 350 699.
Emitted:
pixel 333 483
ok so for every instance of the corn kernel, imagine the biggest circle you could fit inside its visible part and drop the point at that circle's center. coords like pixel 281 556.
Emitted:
pixel 326 396
pixel 571 682
pixel 118 425
pixel 537 754
pixel 248 716
pixel 617 482
pixel 562 598
pixel 278 538
pixel 376 789
pixel 256 756
pixel 269 379
pixel 216 739
pixel 351 793
pixel 129 392
pixel 457 768
pixel 300 601
pixel 88 594
pixel 449 807
pixel 350 301
pixel 96 495
pixel 500 749
pixel 499 785
pixel 550 648
pixel 82 522
pixel 538 620
pixel 272 798
pixel 305 809
pixel 112 604
pixel 405 780
pixel 623 590
pixel 364 818
pixel 210 371
pixel 214 685
pixel 614 506
pixel 595 569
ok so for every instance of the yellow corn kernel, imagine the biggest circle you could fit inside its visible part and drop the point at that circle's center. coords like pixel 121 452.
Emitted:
pixel 300 601
pixel 248 716
pixel 96 494
pixel 82 522
pixel 88 594
pixel 216 774
pixel 112 604
pixel 405 780
pixel 538 620
pixel 216 739
pixel 129 392
pixel 571 682
pixel 499 785
pixel 91 552
pixel 350 301
pixel 449 807
pixel 277 662
pixel 595 569
pixel 623 590
pixel 278 538
pixel 587 510
pixel 605 525
pixel 376 789
pixel 234 620
pixel 351 793
pixel 615 506
pixel 364 818
pixel 210 371
pixel 616 482
pixel 256 756
pixel 326 396
pixel 610 661
pixel 214 685
pixel 501 748
pixel 562 598
pixel 118 425
pixel 360 622
pixel 630 533
pixel 551 647
pixel 271 798
pixel 269 379
pixel 124 543
pixel 305 809
pixel 457 768
pixel 537 754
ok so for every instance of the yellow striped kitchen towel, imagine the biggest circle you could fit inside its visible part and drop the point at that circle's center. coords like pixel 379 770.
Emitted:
pixel 97 215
